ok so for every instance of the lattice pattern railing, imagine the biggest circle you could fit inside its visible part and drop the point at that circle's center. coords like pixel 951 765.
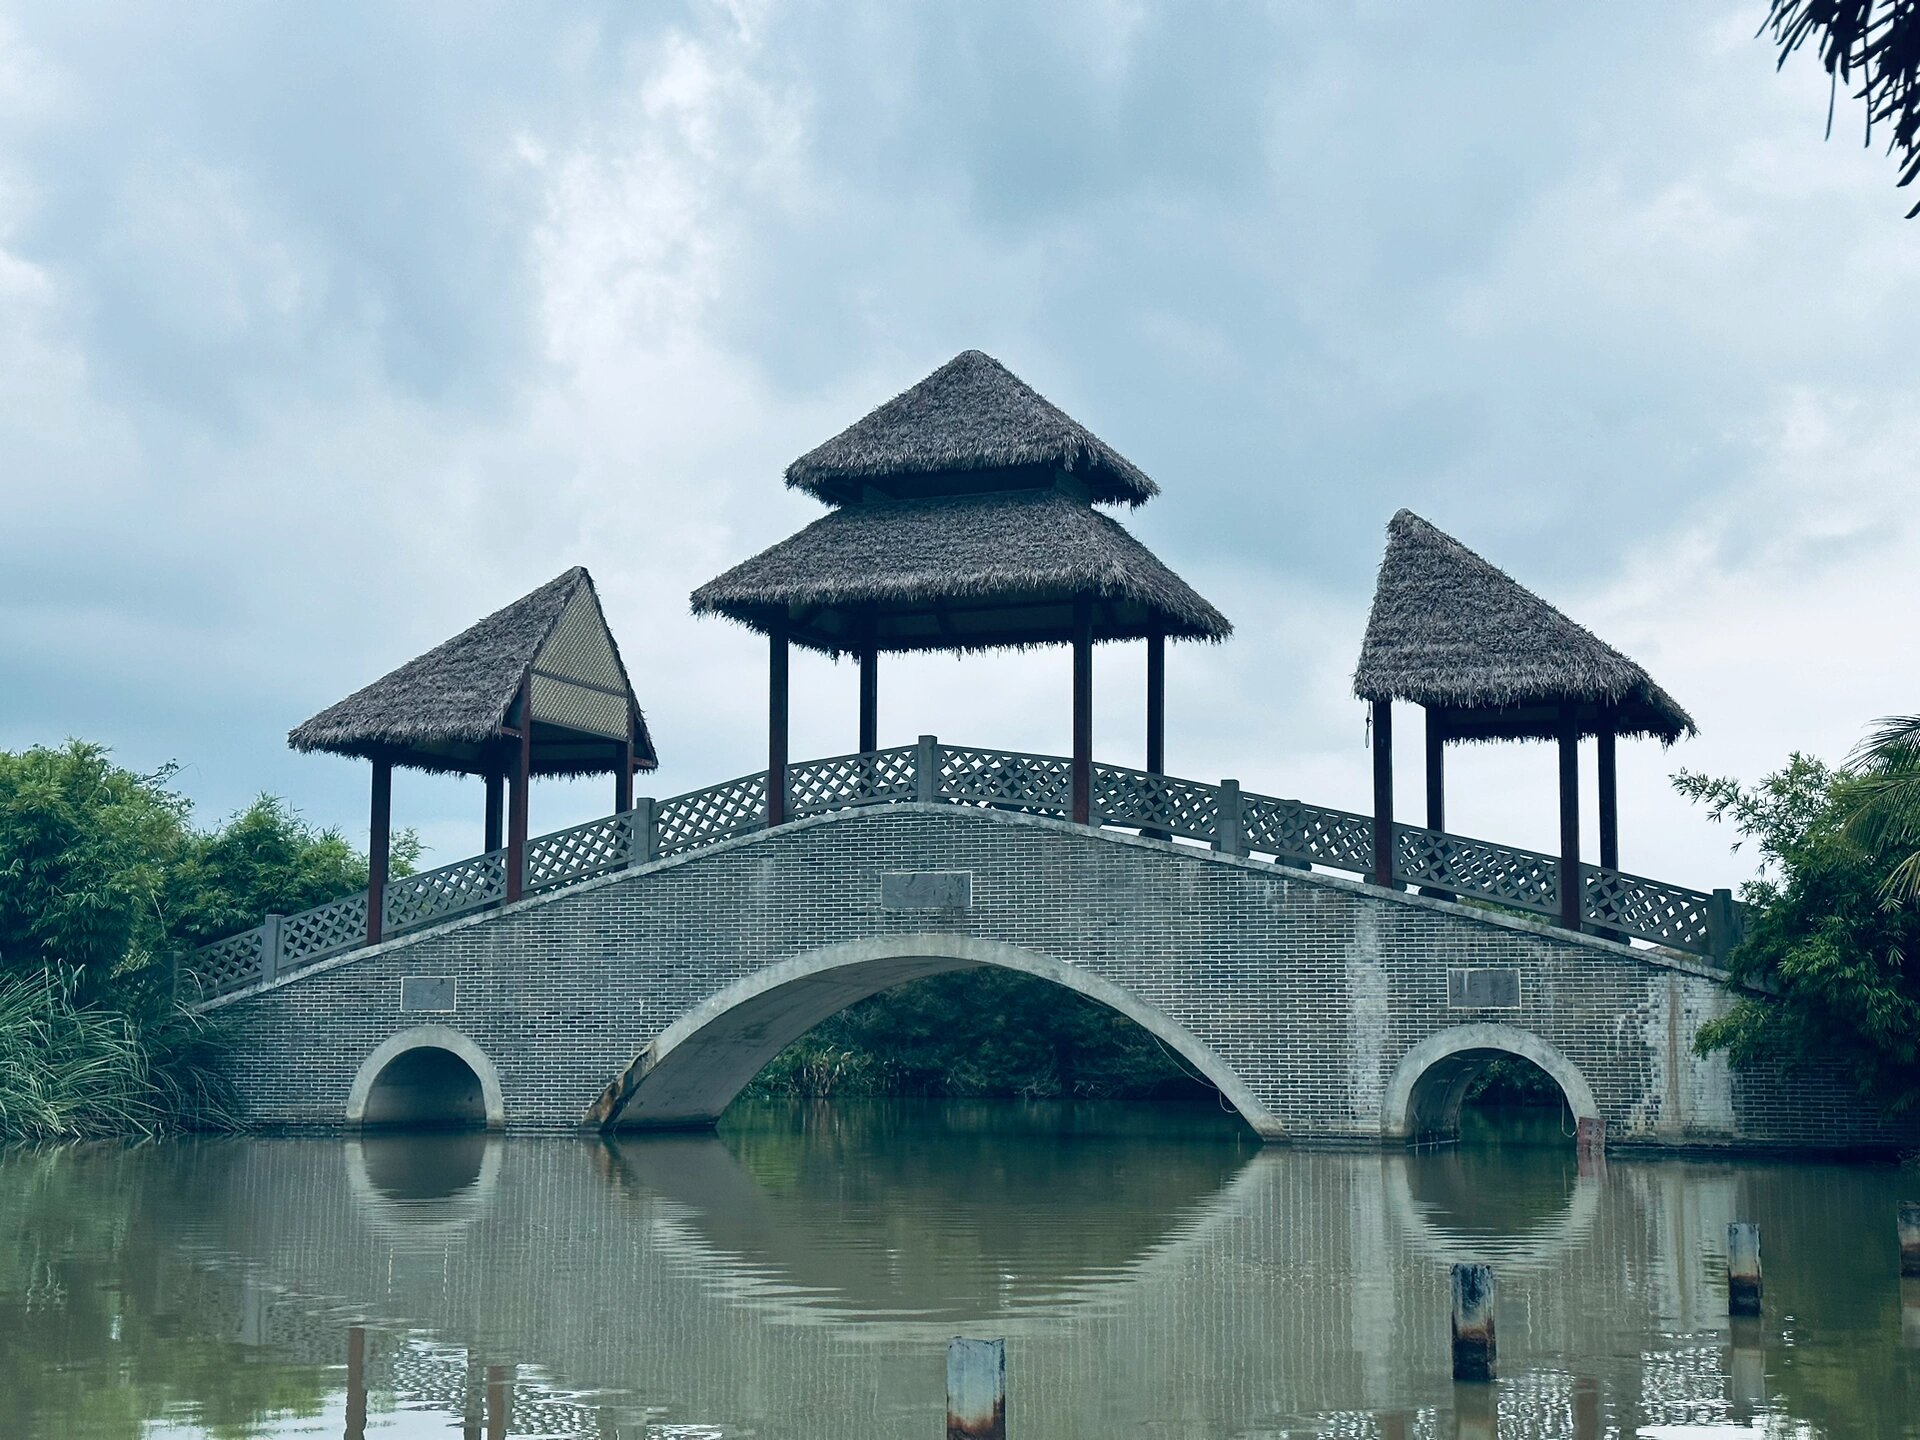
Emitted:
pixel 1292 832
pixel 819 787
pixel 1146 801
pixel 567 856
pixel 324 930
pixel 719 812
pixel 229 964
pixel 1437 860
pixel 1646 909
pixel 435 895
pixel 1307 834
pixel 1005 780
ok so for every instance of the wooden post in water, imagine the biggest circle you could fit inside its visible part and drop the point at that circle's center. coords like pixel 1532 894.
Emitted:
pixel 1910 1314
pixel 1586 1408
pixel 499 1401
pixel 356 1428
pixel 1473 1343
pixel 1743 1269
pixel 1909 1224
pixel 976 1389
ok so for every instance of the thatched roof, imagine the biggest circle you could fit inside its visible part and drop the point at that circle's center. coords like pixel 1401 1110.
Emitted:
pixel 970 425
pixel 444 711
pixel 1451 632
pixel 960 573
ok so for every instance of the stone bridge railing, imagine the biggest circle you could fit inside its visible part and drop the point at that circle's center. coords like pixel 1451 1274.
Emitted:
pixel 1224 817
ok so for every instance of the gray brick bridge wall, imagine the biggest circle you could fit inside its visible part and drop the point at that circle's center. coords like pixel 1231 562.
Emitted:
pixel 1324 1009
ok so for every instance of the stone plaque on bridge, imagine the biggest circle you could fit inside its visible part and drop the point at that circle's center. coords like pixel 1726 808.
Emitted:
pixel 926 889
pixel 426 992
pixel 1483 989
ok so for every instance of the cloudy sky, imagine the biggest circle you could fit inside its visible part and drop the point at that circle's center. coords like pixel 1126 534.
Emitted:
pixel 326 330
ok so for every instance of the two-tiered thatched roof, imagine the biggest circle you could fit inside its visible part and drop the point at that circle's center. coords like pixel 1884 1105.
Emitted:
pixel 1458 635
pixel 964 520
pixel 445 710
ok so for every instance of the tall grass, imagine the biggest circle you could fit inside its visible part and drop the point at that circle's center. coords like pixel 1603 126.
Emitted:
pixel 80 1072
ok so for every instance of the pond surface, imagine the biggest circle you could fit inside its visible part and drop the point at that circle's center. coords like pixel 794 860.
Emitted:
pixel 1154 1272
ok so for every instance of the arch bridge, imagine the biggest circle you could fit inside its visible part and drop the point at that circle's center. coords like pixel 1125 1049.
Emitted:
pixel 658 958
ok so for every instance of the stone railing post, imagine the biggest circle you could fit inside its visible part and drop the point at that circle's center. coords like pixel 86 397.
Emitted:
pixel 270 947
pixel 926 770
pixel 1724 925
pixel 644 838
pixel 1229 826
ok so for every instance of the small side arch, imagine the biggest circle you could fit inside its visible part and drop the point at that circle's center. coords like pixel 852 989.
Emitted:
pixel 693 1068
pixel 1430 1082
pixel 363 1107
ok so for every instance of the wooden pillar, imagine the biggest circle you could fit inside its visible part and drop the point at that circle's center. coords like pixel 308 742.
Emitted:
pixel 379 837
pixel 1082 710
pixel 356 1426
pixel 1156 704
pixel 777 722
pixel 1609 802
pixel 1436 774
pixel 517 797
pixel 496 801
pixel 623 780
pixel 499 1401
pixel 1382 792
pixel 1569 877
pixel 869 661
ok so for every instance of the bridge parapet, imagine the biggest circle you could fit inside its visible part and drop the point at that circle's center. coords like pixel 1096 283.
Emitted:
pixel 1222 816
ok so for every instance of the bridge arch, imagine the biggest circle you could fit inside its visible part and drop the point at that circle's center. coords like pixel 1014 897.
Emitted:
pixel 1430 1083
pixel 428 1076
pixel 694 1068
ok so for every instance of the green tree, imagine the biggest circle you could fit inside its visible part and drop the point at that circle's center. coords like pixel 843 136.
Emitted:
pixel 1883 802
pixel 1840 962
pixel 266 859
pixel 85 851
pixel 1873 42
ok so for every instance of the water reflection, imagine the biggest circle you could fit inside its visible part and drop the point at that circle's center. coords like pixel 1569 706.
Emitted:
pixel 799 1276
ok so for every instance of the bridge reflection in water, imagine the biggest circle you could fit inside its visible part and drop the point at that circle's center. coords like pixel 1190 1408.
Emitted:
pixel 803 1279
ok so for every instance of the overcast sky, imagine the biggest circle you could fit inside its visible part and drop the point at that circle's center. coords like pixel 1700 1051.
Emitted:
pixel 326 330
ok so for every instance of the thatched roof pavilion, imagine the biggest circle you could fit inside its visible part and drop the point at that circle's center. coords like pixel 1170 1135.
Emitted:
pixel 1490 660
pixel 964 520
pixel 536 688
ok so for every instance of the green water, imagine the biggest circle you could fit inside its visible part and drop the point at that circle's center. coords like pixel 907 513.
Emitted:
pixel 1154 1272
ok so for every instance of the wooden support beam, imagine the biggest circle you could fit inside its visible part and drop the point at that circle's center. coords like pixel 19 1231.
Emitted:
pixel 379 841
pixel 777 723
pixel 1082 710
pixel 623 779
pixel 1156 704
pixel 496 803
pixel 521 777
pixel 1436 774
pixel 1609 802
pixel 869 661
pixel 1569 877
pixel 1382 792
pixel 1436 738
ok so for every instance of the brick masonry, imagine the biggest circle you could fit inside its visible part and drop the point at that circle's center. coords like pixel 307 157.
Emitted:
pixel 1317 998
